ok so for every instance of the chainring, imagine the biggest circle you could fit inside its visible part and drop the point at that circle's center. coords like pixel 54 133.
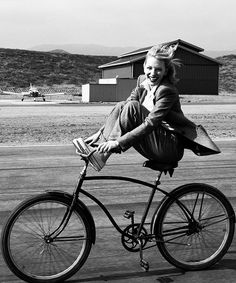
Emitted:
pixel 131 243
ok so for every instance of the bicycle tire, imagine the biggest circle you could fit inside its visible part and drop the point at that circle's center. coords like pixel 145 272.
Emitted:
pixel 24 247
pixel 192 246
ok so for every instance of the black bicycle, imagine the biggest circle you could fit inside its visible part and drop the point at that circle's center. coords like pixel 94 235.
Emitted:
pixel 48 237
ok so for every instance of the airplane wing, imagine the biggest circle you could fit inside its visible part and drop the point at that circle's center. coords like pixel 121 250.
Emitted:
pixel 10 92
pixel 51 94
pixel 24 93
pixel 35 95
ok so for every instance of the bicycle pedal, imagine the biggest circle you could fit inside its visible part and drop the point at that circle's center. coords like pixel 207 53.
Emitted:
pixel 144 264
pixel 128 214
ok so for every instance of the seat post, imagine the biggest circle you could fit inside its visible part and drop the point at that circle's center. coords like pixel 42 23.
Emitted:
pixel 157 181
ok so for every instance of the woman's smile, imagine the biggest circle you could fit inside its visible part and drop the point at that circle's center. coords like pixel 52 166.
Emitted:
pixel 154 70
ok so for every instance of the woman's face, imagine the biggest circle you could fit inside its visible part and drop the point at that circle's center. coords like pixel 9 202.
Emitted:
pixel 154 70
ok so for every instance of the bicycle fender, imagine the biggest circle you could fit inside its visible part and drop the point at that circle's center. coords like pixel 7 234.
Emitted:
pixel 83 207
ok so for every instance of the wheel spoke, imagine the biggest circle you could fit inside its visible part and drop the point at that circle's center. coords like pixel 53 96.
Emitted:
pixel 69 239
pixel 32 253
pixel 200 239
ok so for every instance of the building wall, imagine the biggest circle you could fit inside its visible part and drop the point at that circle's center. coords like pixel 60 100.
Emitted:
pixel 99 92
pixel 121 71
pixel 138 69
pixel 124 88
pixel 107 81
pixel 197 75
pixel 86 93
pixel 108 92
pixel 189 58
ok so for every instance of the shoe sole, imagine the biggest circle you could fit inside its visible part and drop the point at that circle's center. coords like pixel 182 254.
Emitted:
pixel 85 150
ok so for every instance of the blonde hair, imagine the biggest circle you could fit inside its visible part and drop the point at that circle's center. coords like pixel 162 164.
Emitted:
pixel 166 54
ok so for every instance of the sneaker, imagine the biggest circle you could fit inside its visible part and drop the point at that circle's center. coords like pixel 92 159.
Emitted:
pixel 97 160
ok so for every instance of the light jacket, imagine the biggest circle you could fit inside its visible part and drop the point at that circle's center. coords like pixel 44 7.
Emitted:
pixel 167 113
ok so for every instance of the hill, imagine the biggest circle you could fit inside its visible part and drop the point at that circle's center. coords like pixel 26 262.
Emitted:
pixel 218 53
pixel 227 74
pixel 85 49
pixel 19 68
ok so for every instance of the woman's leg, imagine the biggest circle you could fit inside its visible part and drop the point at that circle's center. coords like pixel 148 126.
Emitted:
pixel 112 122
pixel 161 145
pixel 125 116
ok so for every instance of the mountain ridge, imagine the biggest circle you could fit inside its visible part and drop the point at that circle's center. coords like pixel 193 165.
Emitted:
pixel 96 49
pixel 84 49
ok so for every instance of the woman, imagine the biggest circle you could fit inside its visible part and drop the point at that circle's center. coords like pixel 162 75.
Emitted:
pixel 151 119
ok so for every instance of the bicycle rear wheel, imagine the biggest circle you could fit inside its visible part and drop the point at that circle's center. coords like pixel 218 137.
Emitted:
pixel 35 257
pixel 199 238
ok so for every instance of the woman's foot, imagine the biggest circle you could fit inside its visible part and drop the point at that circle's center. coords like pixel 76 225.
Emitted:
pixel 96 159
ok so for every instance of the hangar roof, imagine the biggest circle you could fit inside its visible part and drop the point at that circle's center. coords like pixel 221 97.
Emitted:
pixel 139 54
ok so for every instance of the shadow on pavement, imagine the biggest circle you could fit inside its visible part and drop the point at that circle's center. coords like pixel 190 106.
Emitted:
pixel 163 276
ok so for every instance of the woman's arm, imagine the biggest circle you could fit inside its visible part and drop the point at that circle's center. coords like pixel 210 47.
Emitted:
pixel 167 97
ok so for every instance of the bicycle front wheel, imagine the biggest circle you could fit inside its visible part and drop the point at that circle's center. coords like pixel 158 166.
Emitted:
pixel 29 251
pixel 194 228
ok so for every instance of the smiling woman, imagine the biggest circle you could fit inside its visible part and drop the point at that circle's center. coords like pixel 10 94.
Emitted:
pixel 151 119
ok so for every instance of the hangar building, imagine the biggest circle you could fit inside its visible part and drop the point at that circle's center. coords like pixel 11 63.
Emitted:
pixel 199 74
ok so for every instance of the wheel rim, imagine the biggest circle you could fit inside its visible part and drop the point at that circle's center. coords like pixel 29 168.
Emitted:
pixel 31 251
pixel 199 242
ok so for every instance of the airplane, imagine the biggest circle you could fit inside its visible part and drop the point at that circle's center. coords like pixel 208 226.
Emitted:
pixel 33 92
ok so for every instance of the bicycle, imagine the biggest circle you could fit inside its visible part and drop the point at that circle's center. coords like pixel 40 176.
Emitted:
pixel 48 237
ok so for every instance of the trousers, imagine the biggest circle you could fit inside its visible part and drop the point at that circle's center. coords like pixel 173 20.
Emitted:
pixel 161 145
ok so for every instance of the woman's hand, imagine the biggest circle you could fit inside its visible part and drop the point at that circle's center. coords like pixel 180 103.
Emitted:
pixel 107 146
pixel 92 139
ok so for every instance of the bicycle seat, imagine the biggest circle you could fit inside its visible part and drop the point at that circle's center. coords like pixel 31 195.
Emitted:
pixel 162 167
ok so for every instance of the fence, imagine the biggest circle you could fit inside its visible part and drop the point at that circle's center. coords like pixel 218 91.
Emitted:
pixel 65 90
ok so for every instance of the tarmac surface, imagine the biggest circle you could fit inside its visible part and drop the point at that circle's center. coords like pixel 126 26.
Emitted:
pixel 28 170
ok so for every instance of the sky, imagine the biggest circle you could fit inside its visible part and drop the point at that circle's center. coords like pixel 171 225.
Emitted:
pixel 210 24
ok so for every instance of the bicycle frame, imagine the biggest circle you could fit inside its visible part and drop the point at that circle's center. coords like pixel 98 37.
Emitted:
pixel 64 229
pixel 78 190
pixel 127 179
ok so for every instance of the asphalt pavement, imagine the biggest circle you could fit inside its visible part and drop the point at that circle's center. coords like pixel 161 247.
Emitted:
pixel 26 171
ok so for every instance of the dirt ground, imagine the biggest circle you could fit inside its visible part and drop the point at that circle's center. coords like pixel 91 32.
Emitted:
pixel 37 123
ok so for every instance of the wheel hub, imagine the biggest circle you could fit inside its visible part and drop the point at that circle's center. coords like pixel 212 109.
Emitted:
pixel 194 227
pixel 48 239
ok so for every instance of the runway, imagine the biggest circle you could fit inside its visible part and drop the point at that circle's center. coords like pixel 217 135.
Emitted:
pixel 28 170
